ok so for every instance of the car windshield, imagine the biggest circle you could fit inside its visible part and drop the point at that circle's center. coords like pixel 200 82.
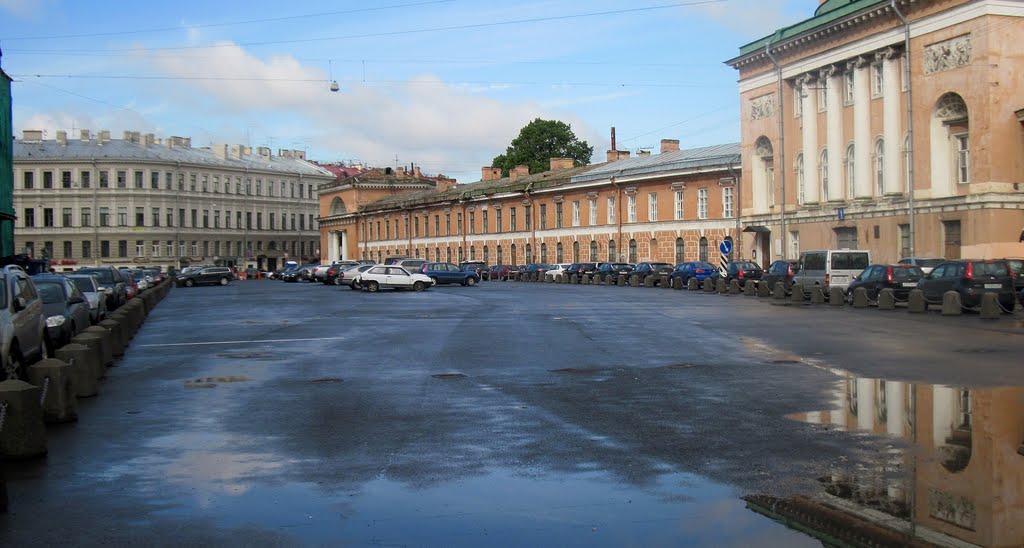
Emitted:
pixel 104 276
pixel 85 285
pixel 704 265
pixel 928 263
pixel 747 265
pixel 907 273
pixel 990 268
pixel 849 261
pixel 51 292
pixel 1017 266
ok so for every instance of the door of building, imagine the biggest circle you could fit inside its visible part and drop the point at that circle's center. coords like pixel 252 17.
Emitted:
pixel 951 239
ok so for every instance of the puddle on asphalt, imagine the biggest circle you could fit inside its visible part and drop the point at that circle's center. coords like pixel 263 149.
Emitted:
pixel 953 470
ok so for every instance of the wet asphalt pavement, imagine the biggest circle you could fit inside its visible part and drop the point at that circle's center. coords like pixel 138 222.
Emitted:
pixel 506 414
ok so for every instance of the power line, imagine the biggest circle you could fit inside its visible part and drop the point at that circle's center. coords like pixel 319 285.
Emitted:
pixel 225 24
pixel 397 32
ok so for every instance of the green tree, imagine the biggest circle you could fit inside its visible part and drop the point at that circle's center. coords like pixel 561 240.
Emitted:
pixel 540 141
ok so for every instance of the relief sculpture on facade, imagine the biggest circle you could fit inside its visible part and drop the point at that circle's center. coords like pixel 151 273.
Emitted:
pixel 762 107
pixel 949 54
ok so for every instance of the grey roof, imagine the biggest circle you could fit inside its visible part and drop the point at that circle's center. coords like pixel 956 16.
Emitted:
pixel 693 158
pixel 121 150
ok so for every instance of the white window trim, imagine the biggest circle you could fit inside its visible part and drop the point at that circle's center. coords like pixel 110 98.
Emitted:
pixel 679 205
pixel 727 204
pixel 702 203
pixel 962 156
pixel 631 208
pixel 652 207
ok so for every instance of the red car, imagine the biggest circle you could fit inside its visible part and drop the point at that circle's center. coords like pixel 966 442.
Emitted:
pixel 130 286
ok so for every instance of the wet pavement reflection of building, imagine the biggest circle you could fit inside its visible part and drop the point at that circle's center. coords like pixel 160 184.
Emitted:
pixel 954 472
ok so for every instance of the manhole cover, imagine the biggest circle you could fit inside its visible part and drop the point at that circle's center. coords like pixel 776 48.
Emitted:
pixel 246 356
pixel 325 380
pixel 448 376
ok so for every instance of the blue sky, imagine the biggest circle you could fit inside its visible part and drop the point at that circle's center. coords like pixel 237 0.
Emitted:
pixel 444 84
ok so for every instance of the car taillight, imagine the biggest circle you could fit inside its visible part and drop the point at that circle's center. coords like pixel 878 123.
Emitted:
pixel 888 276
pixel 969 271
pixel 700 271
pixel 739 273
pixel 789 270
pixel 828 278
pixel 1013 275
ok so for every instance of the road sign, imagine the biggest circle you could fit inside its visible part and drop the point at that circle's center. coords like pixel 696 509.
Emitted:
pixel 840 213
pixel 725 247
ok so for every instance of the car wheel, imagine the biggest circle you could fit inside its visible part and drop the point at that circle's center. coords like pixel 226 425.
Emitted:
pixel 373 287
pixel 418 286
pixel 470 282
pixel 223 281
pixel 13 364
pixel 353 286
pixel 434 280
pixel 337 280
pixel 189 282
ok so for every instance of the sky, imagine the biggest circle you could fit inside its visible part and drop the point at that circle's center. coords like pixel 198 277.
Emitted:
pixel 442 84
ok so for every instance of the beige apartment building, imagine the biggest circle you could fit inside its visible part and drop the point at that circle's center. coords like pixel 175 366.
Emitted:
pixel 674 206
pixel 143 201
pixel 893 126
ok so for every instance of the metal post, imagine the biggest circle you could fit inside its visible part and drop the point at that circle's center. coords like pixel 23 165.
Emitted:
pixel 910 125
pixel 782 149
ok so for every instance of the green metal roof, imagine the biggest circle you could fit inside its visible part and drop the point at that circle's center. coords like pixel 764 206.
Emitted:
pixel 831 10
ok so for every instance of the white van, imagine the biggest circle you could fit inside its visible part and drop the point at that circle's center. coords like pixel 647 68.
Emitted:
pixel 831 267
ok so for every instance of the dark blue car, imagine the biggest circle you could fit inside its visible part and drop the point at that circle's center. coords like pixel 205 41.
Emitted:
pixel 700 270
pixel 448 273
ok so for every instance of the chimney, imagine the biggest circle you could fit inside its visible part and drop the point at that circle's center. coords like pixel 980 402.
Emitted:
pixel 148 139
pixel 62 137
pixel 517 172
pixel 490 173
pixel 263 151
pixel 643 153
pixel 104 136
pixel 669 145
pixel 444 184
pixel 32 136
pixel 220 151
pixel 558 164
pixel 614 155
pixel 284 153
pixel 85 135
pixel 416 172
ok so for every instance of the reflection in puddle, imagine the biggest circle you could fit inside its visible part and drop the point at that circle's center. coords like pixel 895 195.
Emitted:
pixel 960 476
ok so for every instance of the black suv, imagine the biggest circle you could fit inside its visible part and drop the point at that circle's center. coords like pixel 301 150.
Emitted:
pixel 645 269
pixel 480 267
pixel 781 270
pixel 970 278
pixel 112 283
pixel 210 275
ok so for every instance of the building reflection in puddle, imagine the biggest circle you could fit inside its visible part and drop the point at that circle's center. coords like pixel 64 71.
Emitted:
pixel 955 473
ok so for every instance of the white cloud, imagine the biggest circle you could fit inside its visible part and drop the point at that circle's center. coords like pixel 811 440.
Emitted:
pixel 756 18
pixel 24 8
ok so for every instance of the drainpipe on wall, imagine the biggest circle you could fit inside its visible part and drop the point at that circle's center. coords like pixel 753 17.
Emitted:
pixel 618 217
pixel 533 224
pixel 910 124
pixel 96 216
pixel 782 152
pixel 737 240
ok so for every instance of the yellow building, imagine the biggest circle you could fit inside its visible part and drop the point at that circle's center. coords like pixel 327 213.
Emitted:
pixel 895 126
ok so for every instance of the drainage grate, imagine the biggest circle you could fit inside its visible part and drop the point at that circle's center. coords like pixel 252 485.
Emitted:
pixel 448 376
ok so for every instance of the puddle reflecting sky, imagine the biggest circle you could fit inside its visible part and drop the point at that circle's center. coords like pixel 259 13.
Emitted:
pixel 954 468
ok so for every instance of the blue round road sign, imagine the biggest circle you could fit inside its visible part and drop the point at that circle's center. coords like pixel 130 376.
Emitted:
pixel 725 247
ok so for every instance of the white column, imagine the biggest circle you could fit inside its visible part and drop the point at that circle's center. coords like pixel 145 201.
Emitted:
pixel 895 399
pixel 866 404
pixel 343 245
pixel 861 127
pixel 834 133
pixel 332 246
pixel 892 117
pixel 809 119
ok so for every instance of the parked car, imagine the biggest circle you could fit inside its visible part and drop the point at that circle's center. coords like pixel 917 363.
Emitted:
pixel 926 263
pixel 579 269
pixel 604 270
pixel 155 275
pixel 479 267
pixel 699 270
pixel 742 270
pixel 901 278
pixel 648 268
pixel 781 270
pixel 1017 268
pixel 971 278
pixel 142 280
pixel 65 308
pixel 449 273
pixel 111 282
pixel 299 274
pixel 554 270
pixel 90 288
pixel 331 273
pixel 499 272
pixel 320 273
pixel 394 277
pixel 535 268
pixel 831 267
pixel 211 275
pixel 408 263
pixel 348 276
pixel 22 323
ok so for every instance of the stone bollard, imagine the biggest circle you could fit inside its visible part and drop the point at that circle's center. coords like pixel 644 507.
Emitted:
pixel 663 282
pixel 648 281
pixel 692 284
pixel 951 305
pixel 734 287
pixel 54 378
pixel 634 280
pixel 797 293
pixel 621 280
pixel 990 306
pixel 585 280
pixel 677 283
pixel 860 298
pixel 916 303
pixel 721 286
pixel 817 295
pixel 574 279
pixel 23 435
pixel 128 326
pixel 886 299
pixel 558 278
pixel 709 286
pixel 750 288
pixel 85 368
pixel 779 292
pixel 108 338
pixel 120 340
pixel 836 297
pixel 98 346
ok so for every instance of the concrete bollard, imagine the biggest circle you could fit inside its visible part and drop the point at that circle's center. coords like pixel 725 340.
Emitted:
pixel 836 296
pixel 817 295
pixel 797 293
pixel 621 280
pixel 85 368
pixel 990 306
pixel 709 285
pixel 734 287
pixel 54 378
pixel 24 434
pixel 860 298
pixel 721 286
pixel 108 338
pixel 750 288
pixel 886 299
pixel 663 282
pixel 916 303
pixel 128 326
pixel 120 341
pixel 98 345
pixel 677 283
pixel 648 281
pixel 558 278
pixel 692 284
pixel 951 305
pixel 574 279
pixel 779 292
pixel 634 280
pixel 585 280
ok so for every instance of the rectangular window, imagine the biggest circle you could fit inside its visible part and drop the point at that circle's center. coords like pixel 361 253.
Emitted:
pixel 727 202
pixel 86 217
pixel 904 241
pixel 122 248
pixel 47 179
pixel 631 208
pixel 104 179
pixel 206 183
pixel 86 179
pixel 823 95
pixel 65 215
pixel 652 207
pixel 105 249
pixel 497 221
pixel 181 217
pixel 195 248
pixel 104 216
pixel 216 187
pixel 248 221
pixel 154 249
pixel 702 203
pixel 47 250
pixel 678 214
pixel 512 219
pixel 170 248
pixel 592 204
pixel 611 210
pixel 472 222
pixel 65 179
pixel 48 216
pixel 140 248
pixel 259 220
pixel 154 180
pixel 122 179
pixel 576 213
pixel 216 219
pixel 86 249
pixel 195 219
pixel 29 217
pixel 799 92
pixel 877 82
pixel 558 215
pixel 543 216
pixel 206 218
pixel 170 217
pixel 139 179
pixel 437 225
pixel 484 221
pixel 528 214
pixel 140 216
pixel 794 244
pixel 29 179
pixel 155 215
pixel 67 249
pixel 181 182
pixel 447 225
pixel 192 182
pixel 168 181
pixel 963 158
pixel 848 88
pixel 122 216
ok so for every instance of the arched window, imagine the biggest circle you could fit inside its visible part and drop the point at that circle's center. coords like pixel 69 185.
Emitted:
pixel 593 251
pixel 632 251
pixel 472 252
pixel 512 254
pixel 529 254
pixel 437 254
pixel 703 248
pixel 417 253
pixel 612 252
pixel 462 254
pixel 448 256
pixel 558 253
pixel 800 182
pixel 823 175
pixel 950 145
pixel 544 252
pixel 498 258
pixel 337 206
pixel 575 252
pixel 879 162
pixel 486 257
pixel 851 175
pixel 764 174
pixel 680 251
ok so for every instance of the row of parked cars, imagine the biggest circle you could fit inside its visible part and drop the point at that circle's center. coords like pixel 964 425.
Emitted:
pixel 363 275
pixel 44 311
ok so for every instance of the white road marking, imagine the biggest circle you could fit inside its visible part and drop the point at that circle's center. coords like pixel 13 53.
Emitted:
pixel 245 342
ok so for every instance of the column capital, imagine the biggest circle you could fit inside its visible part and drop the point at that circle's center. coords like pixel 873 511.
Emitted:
pixel 888 53
pixel 828 72
pixel 857 62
